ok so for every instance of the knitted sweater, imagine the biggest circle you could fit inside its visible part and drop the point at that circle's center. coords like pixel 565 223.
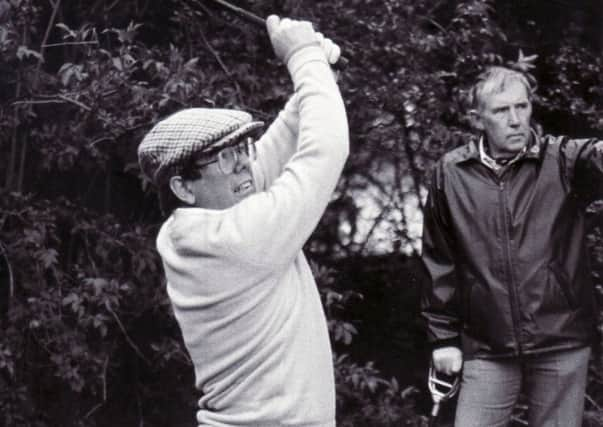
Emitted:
pixel 240 286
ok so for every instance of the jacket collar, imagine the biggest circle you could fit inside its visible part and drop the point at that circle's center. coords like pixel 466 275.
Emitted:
pixel 475 148
pixel 492 163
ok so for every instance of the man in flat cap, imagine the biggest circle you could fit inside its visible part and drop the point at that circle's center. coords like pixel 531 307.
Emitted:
pixel 240 286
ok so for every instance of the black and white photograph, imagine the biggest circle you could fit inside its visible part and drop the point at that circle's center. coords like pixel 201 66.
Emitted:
pixel 301 213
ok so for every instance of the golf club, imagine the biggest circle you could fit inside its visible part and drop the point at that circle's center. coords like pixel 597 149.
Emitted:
pixel 261 22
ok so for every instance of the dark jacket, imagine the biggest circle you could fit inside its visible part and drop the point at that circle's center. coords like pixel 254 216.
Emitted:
pixel 506 254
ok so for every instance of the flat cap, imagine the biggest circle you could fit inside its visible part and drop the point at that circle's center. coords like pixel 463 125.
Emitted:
pixel 194 131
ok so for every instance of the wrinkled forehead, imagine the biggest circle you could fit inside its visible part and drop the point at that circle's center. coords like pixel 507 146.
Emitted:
pixel 512 93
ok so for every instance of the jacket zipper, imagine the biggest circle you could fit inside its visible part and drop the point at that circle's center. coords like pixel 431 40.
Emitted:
pixel 509 268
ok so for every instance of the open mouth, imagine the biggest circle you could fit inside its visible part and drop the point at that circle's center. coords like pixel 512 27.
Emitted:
pixel 244 187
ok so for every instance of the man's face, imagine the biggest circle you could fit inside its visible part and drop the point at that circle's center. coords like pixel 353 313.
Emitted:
pixel 504 116
pixel 215 189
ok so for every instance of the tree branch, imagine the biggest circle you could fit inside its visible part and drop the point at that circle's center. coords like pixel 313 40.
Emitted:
pixel 55 10
pixel 11 277
pixel 62 100
pixel 219 60
pixel 38 101
pixel 592 402
pixel 214 53
pixel 21 174
pixel 69 43
pixel 128 339
pixel 10 170
pixel 414 174
pixel 104 379
pixel 73 101
pixel 374 226
pixel 112 5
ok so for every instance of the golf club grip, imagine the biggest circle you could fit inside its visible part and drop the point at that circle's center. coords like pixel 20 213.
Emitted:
pixel 341 63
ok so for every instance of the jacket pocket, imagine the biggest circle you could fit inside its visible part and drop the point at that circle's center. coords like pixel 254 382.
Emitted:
pixel 564 284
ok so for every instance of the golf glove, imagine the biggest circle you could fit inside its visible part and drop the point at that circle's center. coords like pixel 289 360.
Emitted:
pixel 288 36
pixel 331 50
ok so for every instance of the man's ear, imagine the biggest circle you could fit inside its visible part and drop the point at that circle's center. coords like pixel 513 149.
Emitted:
pixel 475 119
pixel 182 190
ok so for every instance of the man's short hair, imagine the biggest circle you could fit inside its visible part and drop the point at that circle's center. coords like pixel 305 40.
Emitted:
pixel 168 202
pixel 494 80
pixel 187 169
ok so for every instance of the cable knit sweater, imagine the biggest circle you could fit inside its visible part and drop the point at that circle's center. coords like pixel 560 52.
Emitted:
pixel 240 286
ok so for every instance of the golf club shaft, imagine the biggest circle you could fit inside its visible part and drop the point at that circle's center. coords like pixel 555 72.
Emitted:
pixel 250 17
pixel 261 22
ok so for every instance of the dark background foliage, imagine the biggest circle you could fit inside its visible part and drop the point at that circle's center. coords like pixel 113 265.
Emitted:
pixel 88 336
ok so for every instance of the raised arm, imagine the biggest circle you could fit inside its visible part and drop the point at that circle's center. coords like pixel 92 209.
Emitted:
pixel 279 142
pixel 273 225
pixel 582 164
pixel 277 145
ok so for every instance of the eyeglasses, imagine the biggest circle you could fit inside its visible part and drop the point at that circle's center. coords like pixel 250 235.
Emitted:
pixel 228 157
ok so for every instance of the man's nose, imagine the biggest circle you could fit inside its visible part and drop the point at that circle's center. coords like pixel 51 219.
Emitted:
pixel 513 117
pixel 243 161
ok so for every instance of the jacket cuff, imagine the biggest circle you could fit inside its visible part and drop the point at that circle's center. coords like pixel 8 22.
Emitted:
pixel 448 342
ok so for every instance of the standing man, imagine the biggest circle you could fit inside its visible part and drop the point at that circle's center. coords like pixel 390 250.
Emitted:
pixel 240 285
pixel 510 298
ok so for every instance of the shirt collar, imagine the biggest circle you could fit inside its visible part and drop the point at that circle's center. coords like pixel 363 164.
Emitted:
pixel 472 151
pixel 531 150
pixel 491 162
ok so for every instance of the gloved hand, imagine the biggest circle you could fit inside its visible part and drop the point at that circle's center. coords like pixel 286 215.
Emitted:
pixel 288 36
pixel 448 360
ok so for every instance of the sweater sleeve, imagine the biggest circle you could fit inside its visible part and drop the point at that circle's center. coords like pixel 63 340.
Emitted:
pixel 439 301
pixel 270 227
pixel 277 145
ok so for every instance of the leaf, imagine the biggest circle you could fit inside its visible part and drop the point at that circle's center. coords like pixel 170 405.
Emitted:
pixel 97 283
pixel 146 64
pixel 65 73
pixel 25 52
pixel 524 63
pixel 49 257
pixel 131 167
pixel 408 391
pixel 69 31
pixel 191 63
pixel 100 323
pixel 72 299
pixel 117 63
pixel 383 120
pixel 372 384
pixel 128 60
pixel 64 67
